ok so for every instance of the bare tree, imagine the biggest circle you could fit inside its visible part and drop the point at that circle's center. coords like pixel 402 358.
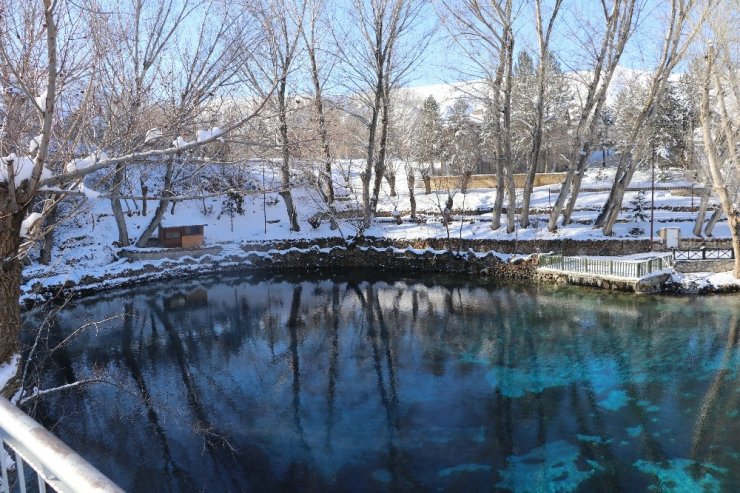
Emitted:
pixel 618 27
pixel 23 178
pixel 723 163
pixel 376 61
pixel 543 42
pixel 675 44
pixel 316 11
pixel 484 31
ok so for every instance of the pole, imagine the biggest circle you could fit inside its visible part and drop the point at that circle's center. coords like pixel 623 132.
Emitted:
pixel 652 205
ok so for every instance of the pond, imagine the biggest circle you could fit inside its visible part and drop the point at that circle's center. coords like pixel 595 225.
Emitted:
pixel 364 383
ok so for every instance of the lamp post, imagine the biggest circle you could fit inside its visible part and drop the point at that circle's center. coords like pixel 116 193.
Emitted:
pixel 652 203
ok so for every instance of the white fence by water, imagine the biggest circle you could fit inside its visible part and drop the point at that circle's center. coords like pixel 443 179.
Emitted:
pixel 633 269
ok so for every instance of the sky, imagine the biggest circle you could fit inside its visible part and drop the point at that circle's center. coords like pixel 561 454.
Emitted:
pixel 443 59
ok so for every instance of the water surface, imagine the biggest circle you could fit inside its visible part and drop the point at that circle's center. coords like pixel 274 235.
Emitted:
pixel 350 384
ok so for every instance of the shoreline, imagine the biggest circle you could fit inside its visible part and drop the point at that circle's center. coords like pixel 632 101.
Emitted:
pixel 137 266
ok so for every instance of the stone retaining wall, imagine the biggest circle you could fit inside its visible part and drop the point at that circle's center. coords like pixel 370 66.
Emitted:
pixel 564 246
pixel 392 259
pixel 697 243
pixel 169 253
pixel 650 284
pixel 692 266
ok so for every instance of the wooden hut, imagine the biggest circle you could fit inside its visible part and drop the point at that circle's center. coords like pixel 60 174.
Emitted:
pixel 190 236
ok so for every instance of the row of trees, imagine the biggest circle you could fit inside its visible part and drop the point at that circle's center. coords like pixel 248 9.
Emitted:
pixel 123 97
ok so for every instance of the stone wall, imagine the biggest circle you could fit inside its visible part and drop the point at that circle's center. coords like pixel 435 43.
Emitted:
pixel 651 284
pixel 563 246
pixel 169 253
pixel 710 243
pixel 691 266
pixel 392 259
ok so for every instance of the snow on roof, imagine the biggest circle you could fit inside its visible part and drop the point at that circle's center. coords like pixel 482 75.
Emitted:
pixel 178 222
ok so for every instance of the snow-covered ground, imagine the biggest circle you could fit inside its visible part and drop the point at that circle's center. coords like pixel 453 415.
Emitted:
pixel 84 244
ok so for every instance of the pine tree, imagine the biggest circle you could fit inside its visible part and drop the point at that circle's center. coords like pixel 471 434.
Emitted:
pixel 638 212
pixel 466 143
pixel 428 139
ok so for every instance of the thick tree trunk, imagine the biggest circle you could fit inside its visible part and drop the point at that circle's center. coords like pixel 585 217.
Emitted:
pixel 366 176
pixel 715 167
pixel 115 204
pixel 390 177
pixel 576 184
pixel 510 188
pixel 498 202
pixel 701 215
pixel 285 165
pixel 427 183
pixel 713 219
pixel 48 241
pixel 410 180
pixel 380 168
pixel 326 182
pixel 10 283
pixel 161 208
pixel 511 202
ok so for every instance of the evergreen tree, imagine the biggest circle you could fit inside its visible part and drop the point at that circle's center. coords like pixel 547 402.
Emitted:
pixel 523 108
pixel 465 151
pixel 638 212
pixel 427 145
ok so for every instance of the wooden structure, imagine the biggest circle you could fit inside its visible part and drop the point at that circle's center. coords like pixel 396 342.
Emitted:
pixel 181 236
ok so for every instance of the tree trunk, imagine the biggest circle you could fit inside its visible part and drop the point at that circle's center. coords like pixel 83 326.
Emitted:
pixel 576 184
pixel 390 177
pixel 326 182
pixel 48 242
pixel 465 181
pixel 115 203
pixel 285 166
pixel 618 30
pixel 543 37
pixel 715 169
pixel 500 184
pixel 510 188
pixel 427 183
pixel 714 218
pixel 701 215
pixel 380 167
pixel 410 180
pixel 10 283
pixel 161 208
pixel 144 191
pixel 366 176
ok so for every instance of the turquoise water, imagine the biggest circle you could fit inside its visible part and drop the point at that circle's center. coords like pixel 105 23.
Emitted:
pixel 350 384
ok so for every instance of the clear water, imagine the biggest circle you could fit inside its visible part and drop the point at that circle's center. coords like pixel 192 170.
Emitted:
pixel 245 384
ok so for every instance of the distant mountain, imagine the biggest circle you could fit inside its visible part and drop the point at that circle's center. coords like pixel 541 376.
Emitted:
pixel 475 91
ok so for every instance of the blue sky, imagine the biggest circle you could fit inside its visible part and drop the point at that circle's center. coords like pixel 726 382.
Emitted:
pixel 443 59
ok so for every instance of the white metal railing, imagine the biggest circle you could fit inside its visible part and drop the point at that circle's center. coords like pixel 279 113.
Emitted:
pixel 633 269
pixel 55 463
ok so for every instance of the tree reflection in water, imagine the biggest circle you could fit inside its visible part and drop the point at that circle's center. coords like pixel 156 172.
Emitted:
pixel 330 385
